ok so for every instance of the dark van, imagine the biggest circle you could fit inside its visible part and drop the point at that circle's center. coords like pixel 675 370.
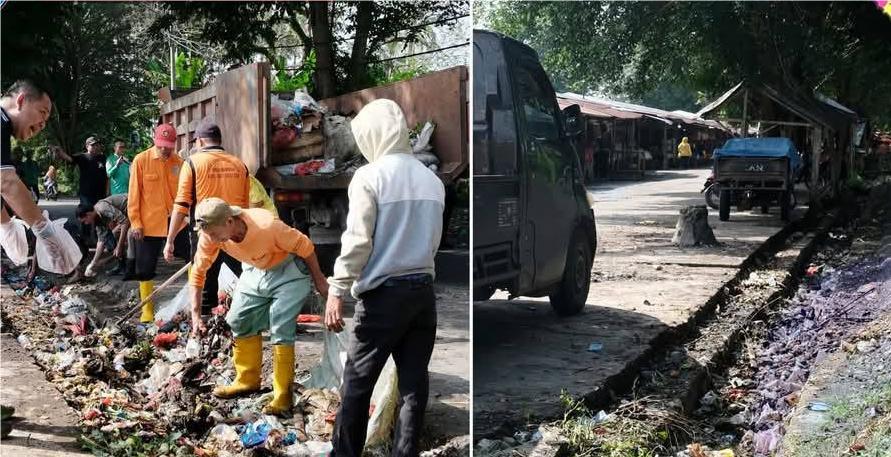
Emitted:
pixel 533 225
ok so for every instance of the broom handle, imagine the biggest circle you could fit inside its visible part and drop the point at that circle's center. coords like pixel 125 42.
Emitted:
pixel 163 285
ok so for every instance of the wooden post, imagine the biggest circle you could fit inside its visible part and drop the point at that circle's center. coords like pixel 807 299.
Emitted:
pixel 745 116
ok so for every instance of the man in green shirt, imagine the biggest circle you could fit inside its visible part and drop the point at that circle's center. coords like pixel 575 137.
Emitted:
pixel 118 169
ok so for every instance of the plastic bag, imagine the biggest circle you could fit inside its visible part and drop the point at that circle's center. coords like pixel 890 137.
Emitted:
pixel 328 374
pixel 421 143
pixel 340 144
pixel 15 241
pixel 68 255
pixel 174 306
pixel 306 102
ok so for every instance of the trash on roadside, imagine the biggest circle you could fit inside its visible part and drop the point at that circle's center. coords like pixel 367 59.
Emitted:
pixel 818 406
pixel 595 347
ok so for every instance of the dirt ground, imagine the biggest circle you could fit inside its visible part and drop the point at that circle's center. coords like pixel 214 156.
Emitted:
pixel 642 286
pixel 44 425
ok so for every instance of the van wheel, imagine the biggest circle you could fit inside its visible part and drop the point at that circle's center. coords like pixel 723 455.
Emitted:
pixel 724 207
pixel 572 293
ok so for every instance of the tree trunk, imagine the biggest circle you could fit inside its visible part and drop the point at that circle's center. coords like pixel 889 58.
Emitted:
pixel 321 38
pixel 358 61
pixel 693 229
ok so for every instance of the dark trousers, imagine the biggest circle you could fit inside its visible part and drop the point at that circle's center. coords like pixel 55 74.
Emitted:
pixel 211 282
pixel 398 320
pixel 149 249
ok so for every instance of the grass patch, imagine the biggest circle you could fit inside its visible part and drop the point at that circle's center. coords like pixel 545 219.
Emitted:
pixel 641 428
pixel 856 424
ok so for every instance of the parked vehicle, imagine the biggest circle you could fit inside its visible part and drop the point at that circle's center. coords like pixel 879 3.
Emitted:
pixel 712 192
pixel 756 172
pixel 240 101
pixel 533 225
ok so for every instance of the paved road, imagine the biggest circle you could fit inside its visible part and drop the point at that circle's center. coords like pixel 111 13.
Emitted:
pixel 524 355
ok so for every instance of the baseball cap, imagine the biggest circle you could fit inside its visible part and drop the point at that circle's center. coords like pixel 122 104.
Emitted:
pixel 92 140
pixel 213 211
pixel 208 129
pixel 165 136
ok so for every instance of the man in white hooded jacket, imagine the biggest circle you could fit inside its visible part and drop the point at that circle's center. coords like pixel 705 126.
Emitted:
pixel 393 230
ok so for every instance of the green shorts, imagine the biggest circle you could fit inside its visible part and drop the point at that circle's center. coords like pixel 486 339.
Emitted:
pixel 269 300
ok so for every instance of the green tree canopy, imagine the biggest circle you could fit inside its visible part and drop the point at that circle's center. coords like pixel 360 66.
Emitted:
pixel 85 56
pixel 343 36
pixel 636 49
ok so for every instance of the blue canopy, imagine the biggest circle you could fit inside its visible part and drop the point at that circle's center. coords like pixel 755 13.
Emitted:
pixel 760 147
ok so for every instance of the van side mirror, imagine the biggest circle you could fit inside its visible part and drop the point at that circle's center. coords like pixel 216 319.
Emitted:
pixel 572 120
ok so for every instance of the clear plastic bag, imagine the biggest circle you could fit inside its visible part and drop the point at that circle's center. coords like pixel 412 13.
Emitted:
pixel 328 374
pixel 15 241
pixel 62 258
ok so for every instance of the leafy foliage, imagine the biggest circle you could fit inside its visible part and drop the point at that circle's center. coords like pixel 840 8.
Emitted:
pixel 631 49
pixel 87 59
pixel 359 30
pixel 291 80
pixel 189 72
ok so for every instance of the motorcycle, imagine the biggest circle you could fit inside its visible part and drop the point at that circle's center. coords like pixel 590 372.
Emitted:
pixel 712 191
pixel 50 192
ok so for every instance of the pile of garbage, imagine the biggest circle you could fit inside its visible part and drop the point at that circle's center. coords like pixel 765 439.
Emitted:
pixel 145 389
pixel 830 306
pixel 321 143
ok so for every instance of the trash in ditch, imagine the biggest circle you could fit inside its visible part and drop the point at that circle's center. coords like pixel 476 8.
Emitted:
pixel 813 270
pixel 24 341
pixel 818 406
pixel 595 347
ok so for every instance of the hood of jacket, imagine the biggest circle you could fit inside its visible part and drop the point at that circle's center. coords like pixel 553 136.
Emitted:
pixel 380 129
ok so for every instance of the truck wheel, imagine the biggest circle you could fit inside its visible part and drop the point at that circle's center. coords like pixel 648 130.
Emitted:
pixel 724 209
pixel 785 205
pixel 572 293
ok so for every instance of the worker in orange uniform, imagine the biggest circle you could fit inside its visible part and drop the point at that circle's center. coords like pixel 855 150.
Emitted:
pixel 153 180
pixel 211 172
pixel 269 294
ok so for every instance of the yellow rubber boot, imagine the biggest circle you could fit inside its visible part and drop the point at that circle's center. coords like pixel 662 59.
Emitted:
pixel 148 309
pixel 282 380
pixel 247 356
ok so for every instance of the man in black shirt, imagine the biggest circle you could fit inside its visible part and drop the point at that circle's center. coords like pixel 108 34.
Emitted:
pixel 91 164
pixel 25 110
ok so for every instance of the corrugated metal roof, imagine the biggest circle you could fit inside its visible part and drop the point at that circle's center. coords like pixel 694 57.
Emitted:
pixel 811 108
pixel 596 109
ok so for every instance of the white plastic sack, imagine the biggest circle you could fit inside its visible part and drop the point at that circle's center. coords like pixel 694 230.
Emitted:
pixel 328 374
pixel 227 281
pixel 172 307
pixel 422 141
pixel 15 241
pixel 68 256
